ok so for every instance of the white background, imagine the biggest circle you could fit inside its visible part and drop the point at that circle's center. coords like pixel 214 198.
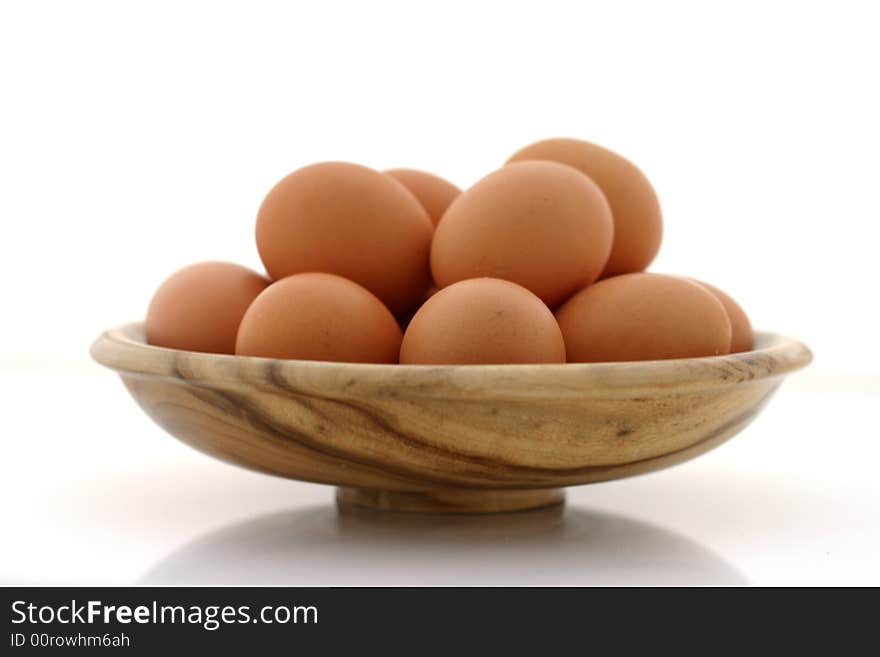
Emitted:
pixel 139 137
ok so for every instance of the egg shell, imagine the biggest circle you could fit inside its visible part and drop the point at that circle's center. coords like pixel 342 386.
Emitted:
pixel 317 316
pixel 200 307
pixel 350 220
pixel 482 321
pixel 542 225
pixel 742 337
pixel 643 317
pixel 433 192
pixel 638 223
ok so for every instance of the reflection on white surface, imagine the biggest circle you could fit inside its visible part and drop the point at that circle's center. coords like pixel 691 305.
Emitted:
pixel 318 546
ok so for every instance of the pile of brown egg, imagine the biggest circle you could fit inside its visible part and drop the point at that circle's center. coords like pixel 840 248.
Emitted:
pixel 541 261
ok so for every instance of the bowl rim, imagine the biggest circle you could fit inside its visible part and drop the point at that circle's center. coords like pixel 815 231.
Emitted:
pixel 124 349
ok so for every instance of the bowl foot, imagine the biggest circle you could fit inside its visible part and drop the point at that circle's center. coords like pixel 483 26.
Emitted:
pixel 449 500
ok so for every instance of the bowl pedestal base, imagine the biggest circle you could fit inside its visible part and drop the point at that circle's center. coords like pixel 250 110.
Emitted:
pixel 449 500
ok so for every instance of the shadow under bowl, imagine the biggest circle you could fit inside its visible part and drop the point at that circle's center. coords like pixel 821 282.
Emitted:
pixel 455 439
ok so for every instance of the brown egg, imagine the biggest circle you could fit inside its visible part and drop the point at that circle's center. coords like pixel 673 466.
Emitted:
pixel 542 225
pixel 200 307
pixel 318 316
pixel 433 192
pixel 352 221
pixel 482 321
pixel 643 317
pixel 742 337
pixel 638 226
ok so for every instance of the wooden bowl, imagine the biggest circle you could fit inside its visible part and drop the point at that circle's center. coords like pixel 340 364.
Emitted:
pixel 474 438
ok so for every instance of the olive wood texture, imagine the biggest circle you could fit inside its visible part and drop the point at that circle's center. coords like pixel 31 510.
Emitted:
pixel 471 438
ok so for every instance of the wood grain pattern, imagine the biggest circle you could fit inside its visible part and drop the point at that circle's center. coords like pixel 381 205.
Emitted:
pixel 448 433
pixel 450 500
